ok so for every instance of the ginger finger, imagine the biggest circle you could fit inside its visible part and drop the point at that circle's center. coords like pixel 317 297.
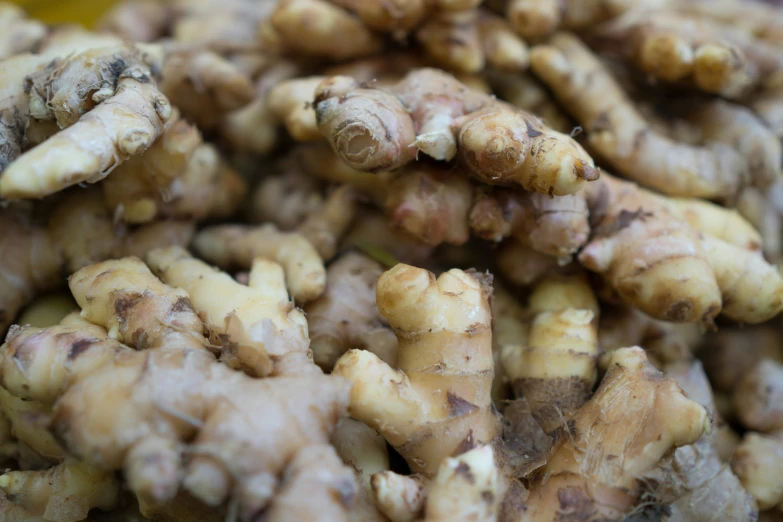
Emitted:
pixel 649 416
pixel 621 135
pixel 453 41
pixel 372 235
pixel 138 20
pixel 257 326
pixel 757 462
pixel 291 102
pixel 346 315
pixel 522 265
pixel 228 245
pixel 524 92
pixel 731 353
pixel 325 227
pixel 758 397
pixel 20 34
pixel 451 353
pixel 400 497
pixel 510 327
pixel 47 311
pixel 401 15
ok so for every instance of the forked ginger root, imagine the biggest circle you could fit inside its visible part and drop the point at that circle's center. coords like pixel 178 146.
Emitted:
pixel 346 315
pixel 430 111
pixel 438 402
pixel 237 245
pixel 257 326
pixel 597 468
pixel 178 393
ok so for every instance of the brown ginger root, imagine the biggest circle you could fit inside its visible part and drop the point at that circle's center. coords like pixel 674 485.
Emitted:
pixel 256 324
pixel 189 396
pixel 372 234
pixel 620 134
pixel 522 265
pixel 554 367
pixel 429 110
pixel 237 245
pixel 65 492
pixel 634 419
pixel 129 114
pixel 445 369
pixel 758 397
pixel 731 353
pixel 758 462
pixel 556 226
pixel 346 315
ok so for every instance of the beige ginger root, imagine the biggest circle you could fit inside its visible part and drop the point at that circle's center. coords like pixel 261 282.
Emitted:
pixel 178 391
pixel 346 315
pixel 554 368
pixel 129 114
pixel 48 310
pixel 438 402
pixel 19 34
pixel 732 353
pixel 758 462
pixel 758 397
pixel 382 129
pixel 633 420
pixel 620 134
pixel 257 326
pixel 238 245
pixel 521 265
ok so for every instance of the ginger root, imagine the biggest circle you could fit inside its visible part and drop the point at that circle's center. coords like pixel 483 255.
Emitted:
pixel 438 402
pixel 758 397
pixel 758 463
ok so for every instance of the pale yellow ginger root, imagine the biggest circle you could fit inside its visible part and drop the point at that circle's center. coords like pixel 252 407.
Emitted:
pixel 510 327
pixel 556 226
pixel 769 107
pixel 256 325
pixel 138 20
pixel 522 265
pixel 364 450
pixel 429 110
pixel 316 486
pixel 208 188
pixel 47 311
pixel 675 282
pixel 291 27
pixel 204 85
pixel 238 245
pixel 759 19
pixel 760 209
pixel 63 493
pixel 137 187
pixel 554 367
pixel 758 397
pixel 346 315
pixel 19 34
pixel 467 41
pixel 178 391
pixel 635 418
pixel 758 462
pixel 466 487
pixel 438 402
pixel 665 342
pixel 731 353
pixel 389 17
pixel 534 19
pixel 400 498
pixel 621 135
pixel 129 114
pixel 254 127
pixel 524 92
pixel 291 102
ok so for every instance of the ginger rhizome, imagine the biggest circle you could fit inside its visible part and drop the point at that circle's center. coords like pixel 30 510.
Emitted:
pixel 379 129
pixel 438 400
pixel 633 420
pixel 183 401
pixel 554 365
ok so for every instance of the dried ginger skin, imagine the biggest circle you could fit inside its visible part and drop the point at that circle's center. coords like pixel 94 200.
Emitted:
pixel 634 419
pixel 232 245
pixel 346 315
pixel 556 226
pixel 627 228
pixel 624 138
pixel 189 396
pixel 130 115
pixel 256 325
pixel 438 401
pixel 758 462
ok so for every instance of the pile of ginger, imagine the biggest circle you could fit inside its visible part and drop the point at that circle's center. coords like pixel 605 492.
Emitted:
pixel 393 261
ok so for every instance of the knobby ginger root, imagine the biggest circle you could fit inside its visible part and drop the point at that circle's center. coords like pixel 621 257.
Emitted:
pixel 634 419
pixel 620 134
pixel 178 391
pixel 758 397
pixel 522 265
pixel 232 245
pixel 63 493
pixel 556 226
pixel 400 497
pixel 758 462
pixel 48 310
pixel 290 101
pixel 438 402
pixel 525 92
pixel 346 315
pixel 20 34
pixel 129 114
pixel 554 368
pixel 731 353
pixel 382 129
pixel 372 235
pixel 257 326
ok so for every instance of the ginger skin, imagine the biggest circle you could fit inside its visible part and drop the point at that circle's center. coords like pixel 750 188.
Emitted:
pixel 438 402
